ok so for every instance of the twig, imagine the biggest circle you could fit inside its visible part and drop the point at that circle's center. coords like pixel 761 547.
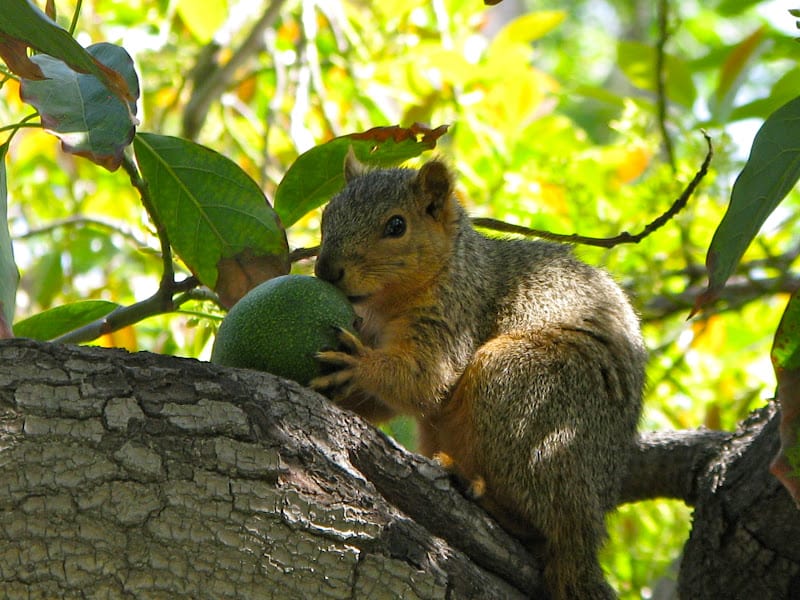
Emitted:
pixel 622 238
pixel 20 125
pixel 162 301
pixel 75 15
pixel 159 303
pixel 736 294
pixel 303 253
pixel 661 83
pixel 168 275
pixel 82 221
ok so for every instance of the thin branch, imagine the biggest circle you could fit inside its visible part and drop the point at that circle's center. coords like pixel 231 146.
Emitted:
pixel 159 303
pixel 303 253
pixel 622 238
pixel 162 301
pixel 661 82
pixel 733 296
pixel 20 125
pixel 199 294
pixel 82 221
pixel 75 15
pixel 168 275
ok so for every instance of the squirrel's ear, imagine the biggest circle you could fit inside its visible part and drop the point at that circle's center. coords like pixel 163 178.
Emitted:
pixel 352 166
pixel 435 185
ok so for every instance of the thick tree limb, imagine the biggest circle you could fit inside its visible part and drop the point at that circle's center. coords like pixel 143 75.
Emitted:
pixel 667 464
pixel 141 475
pixel 746 527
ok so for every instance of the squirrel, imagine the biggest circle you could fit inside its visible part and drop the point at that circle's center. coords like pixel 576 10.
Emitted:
pixel 522 365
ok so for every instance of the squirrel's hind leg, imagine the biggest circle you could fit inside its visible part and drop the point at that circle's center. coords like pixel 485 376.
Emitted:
pixel 549 438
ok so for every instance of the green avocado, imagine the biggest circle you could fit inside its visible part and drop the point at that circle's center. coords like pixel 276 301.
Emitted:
pixel 281 324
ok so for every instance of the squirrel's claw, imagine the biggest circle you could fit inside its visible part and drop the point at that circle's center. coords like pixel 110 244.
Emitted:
pixel 337 379
pixel 344 361
pixel 350 341
pixel 336 358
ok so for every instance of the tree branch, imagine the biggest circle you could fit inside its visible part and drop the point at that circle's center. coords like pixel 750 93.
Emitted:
pixel 83 221
pixel 661 81
pixel 159 303
pixel 155 460
pixel 738 292
pixel 213 83
pixel 168 273
pixel 667 464
pixel 162 301
pixel 622 238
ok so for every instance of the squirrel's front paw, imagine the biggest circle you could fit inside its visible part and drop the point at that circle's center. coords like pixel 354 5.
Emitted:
pixel 344 363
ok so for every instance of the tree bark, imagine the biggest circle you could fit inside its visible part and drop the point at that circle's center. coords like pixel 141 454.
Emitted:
pixel 745 540
pixel 139 475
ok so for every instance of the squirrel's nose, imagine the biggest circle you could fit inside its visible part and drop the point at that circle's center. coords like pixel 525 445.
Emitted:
pixel 328 270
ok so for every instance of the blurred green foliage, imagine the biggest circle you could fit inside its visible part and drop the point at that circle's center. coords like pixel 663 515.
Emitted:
pixel 558 121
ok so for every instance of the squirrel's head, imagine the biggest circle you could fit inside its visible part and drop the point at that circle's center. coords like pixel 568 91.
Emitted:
pixel 387 235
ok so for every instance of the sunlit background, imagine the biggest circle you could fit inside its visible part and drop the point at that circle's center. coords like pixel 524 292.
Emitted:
pixel 554 113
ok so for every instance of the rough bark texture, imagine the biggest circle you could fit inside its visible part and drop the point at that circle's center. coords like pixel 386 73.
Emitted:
pixel 668 464
pixel 138 475
pixel 745 540
pixel 151 476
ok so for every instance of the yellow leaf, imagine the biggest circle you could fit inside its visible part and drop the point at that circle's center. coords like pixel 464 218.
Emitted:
pixel 11 94
pixel 289 32
pixel 202 22
pixel 123 338
pixel 529 27
pixel 633 163
pixel 512 103
pixel 710 336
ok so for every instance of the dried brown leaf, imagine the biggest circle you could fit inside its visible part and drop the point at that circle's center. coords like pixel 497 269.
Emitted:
pixel 15 54
pixel 240 273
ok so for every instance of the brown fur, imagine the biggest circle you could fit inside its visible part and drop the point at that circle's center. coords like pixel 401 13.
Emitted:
pixel 522 365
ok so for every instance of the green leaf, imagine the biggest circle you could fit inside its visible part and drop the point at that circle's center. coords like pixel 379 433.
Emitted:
pixel 786 360
pixel 638 62
pixel 31 27
pixel 51 323
pixel 78 108
pixel 318 174
pixel 770 173
pixel 9 275
pixel 210 208
pixel 786 346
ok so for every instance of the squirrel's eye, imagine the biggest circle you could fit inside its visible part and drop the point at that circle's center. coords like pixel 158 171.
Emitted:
pixel 395 227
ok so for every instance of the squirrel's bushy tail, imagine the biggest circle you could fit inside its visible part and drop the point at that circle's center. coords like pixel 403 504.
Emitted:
pixel 572 571
pixel 552 425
